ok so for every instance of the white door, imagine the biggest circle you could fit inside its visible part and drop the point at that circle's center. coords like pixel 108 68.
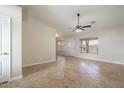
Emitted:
pixel 5 49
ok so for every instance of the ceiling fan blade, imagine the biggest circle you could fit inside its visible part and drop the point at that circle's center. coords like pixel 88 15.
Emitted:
pixel 73 30
pixel 82 29
pixel 86 26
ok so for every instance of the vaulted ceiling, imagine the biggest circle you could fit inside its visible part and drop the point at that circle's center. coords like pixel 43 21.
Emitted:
pixel 63 16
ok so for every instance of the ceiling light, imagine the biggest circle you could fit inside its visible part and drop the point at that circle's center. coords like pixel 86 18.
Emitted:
pixel 78 30
pixel 57 35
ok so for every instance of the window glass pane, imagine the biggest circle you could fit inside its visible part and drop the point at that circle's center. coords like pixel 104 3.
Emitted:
pixel 63 42
pixel 93 42
pixel 93 46
pixel 83 42
pixel 83 46
pixel 89 46
pixel 60 44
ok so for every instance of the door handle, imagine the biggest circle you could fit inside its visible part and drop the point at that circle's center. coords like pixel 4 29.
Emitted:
pixel 5 53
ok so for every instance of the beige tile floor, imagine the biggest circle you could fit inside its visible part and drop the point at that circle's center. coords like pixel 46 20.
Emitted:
pixel 70 72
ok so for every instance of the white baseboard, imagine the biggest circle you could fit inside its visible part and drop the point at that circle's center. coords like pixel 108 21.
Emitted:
pixel 101 60
pixel 15 78
pixel 37 63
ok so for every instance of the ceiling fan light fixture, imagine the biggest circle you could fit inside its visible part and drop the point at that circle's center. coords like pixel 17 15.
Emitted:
pixel 78 30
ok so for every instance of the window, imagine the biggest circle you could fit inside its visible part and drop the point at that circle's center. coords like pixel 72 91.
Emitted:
pixel 89 45
pixel 60 44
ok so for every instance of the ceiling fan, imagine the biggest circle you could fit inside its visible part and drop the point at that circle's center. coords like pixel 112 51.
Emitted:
pixel 78 27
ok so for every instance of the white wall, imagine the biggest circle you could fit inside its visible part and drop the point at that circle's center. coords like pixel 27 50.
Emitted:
pixel 111 46
pixel 39 42
pixel 16 19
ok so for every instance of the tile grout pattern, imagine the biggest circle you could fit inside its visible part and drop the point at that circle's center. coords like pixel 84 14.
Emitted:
pixel 71 72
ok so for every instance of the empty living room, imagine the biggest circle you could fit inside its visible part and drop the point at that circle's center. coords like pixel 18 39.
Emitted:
pixel 61 46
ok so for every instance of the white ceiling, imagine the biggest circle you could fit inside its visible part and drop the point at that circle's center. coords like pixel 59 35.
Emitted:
pixel 63 16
